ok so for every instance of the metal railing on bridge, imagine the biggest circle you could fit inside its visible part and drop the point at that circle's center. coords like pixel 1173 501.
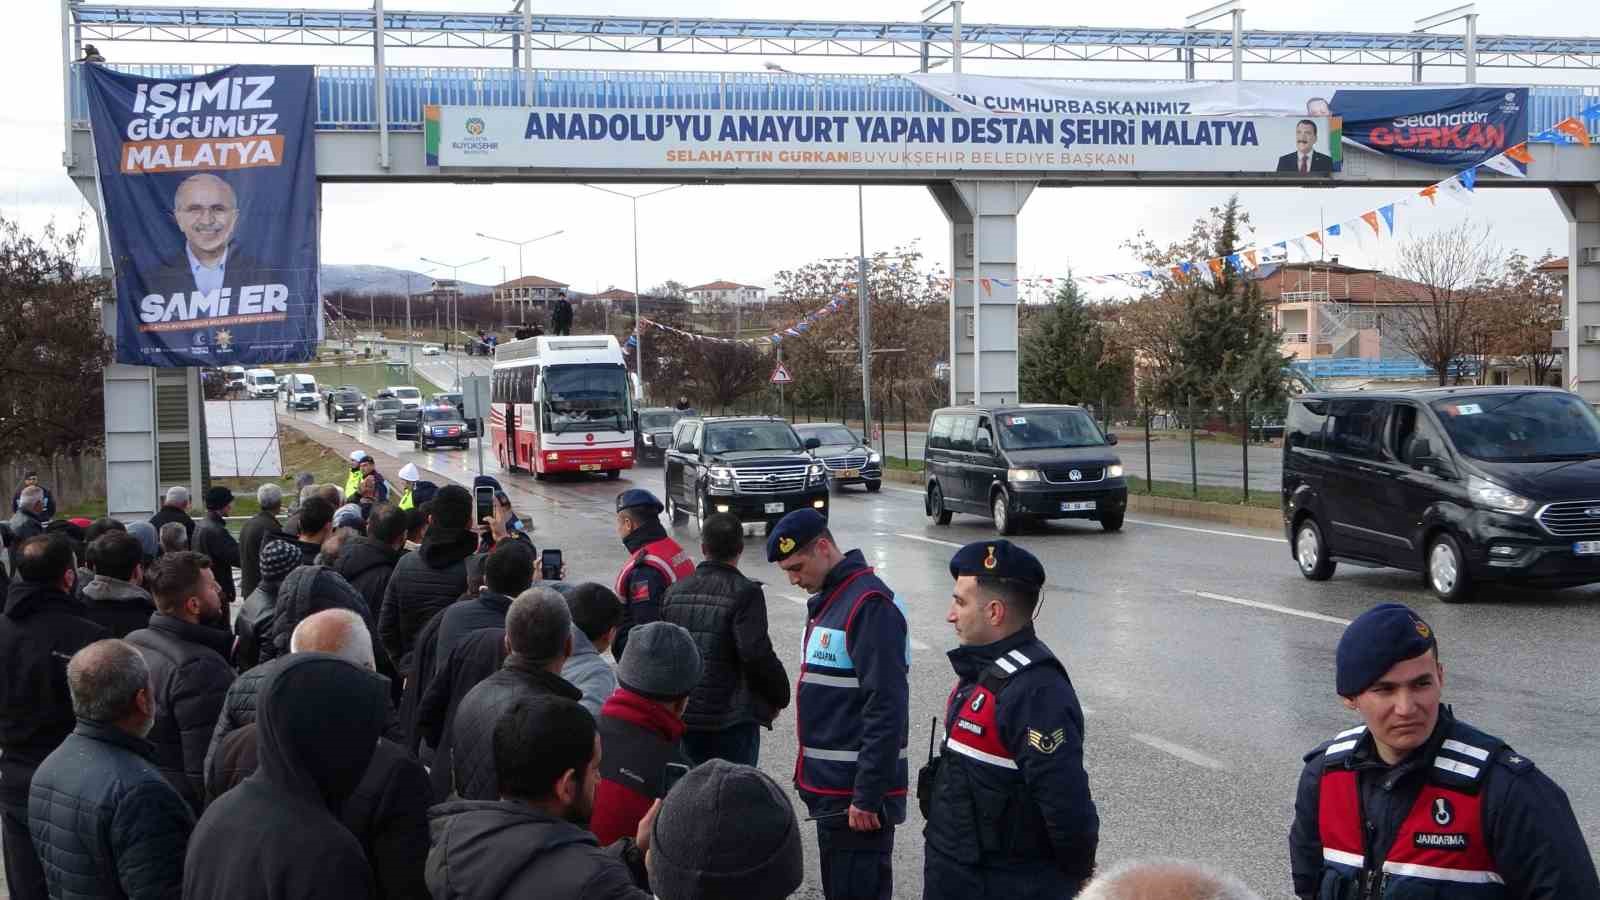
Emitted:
pixel 1399 368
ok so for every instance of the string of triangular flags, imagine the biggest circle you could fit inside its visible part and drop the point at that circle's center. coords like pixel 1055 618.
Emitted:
pixel 797 329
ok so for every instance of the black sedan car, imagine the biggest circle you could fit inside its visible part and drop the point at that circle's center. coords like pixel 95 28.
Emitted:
pixel 654 432
pixel 439 426
pixel 848 458
pixel 381 413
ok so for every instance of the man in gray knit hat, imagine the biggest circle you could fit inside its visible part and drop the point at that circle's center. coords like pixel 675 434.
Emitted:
pixel 725 830
pixel 641 726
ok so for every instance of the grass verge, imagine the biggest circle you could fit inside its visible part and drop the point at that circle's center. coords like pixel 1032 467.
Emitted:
pixel 902 465
pixel 1259 499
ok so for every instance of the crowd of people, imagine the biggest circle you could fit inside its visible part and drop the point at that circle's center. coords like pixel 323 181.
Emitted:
pixel 396 699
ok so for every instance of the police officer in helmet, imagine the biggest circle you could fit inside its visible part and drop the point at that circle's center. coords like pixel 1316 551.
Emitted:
pixel 1416 803
pixel 655 562
pixel 1007 801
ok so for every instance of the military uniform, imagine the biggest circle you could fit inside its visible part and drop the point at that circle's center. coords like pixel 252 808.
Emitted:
pixel 655 563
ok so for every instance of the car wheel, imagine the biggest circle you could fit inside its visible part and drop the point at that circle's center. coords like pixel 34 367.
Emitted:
pixel 1311 553
pixel 935 506
pixel 1112 522
pixel 675 512
pixel 874 486
pixel 700 515
pixel 1447 570
pixel 1004 521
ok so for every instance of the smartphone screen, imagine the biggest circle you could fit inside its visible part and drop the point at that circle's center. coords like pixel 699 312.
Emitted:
pixel 485 502
pixel 550 565
pixel 674 771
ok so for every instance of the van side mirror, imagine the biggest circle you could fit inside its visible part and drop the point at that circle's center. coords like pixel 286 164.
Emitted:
pixel 813 443
pixel 1422 450
pixel 1111 439
pixel 983 444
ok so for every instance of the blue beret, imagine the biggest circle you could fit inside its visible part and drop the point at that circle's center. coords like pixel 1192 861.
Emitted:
pixel 1001 559
pixel 1386 634
pixel 637 498
pixel 794 531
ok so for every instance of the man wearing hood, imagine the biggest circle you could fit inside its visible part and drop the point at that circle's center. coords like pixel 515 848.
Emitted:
pixel 256 532
pixel 252 627
pixel 42 625
pixel 530 839
pixel 277 836
pixel 654 563
pixel 306 591
pixel 116 598
pixel 187 646
pixel 430 579
pixel 211 537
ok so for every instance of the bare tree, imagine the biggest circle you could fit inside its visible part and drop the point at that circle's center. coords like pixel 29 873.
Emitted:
pixel 1451 268
pixel 1519 311
pixel 725 372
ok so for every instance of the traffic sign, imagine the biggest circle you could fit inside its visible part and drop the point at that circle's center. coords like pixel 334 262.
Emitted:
pixel 781 375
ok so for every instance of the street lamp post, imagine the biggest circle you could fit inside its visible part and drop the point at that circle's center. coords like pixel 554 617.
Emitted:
pixel 519 245
pixel 455 275
pixel 411 359
pixel 638 346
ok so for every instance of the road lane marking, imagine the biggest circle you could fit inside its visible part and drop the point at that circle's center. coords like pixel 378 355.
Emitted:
pixel 1235 534
pixel 1181 752
pixel 1271 607
pixel 929 540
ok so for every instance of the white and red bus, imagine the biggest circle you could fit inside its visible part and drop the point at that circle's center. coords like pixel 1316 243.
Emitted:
pixel 562 404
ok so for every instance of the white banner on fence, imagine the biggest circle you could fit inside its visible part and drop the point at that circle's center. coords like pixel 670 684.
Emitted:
pixel 242 439
pixel 818 143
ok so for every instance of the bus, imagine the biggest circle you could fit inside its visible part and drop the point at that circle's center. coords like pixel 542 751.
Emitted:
pixel 562 404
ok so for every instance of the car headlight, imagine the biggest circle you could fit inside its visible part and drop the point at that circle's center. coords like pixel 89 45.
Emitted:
pixel 873 456
pixel 649 440
pixel 721 478
pixel 816 471
pixel 1114 470
pixel 1022 474
pixel 1486 493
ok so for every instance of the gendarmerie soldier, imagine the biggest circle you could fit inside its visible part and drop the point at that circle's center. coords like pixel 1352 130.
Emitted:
pixel 655 562
pixel 1007 801
pixel 1417 804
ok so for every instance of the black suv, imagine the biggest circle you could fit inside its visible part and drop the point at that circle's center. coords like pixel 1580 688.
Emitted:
pixel 344 403
pixel 438 425
pixel 458 400
pixel 755 467
pixel 1015 463
pixel 1465 485
pixel 653 432
pixel 382 413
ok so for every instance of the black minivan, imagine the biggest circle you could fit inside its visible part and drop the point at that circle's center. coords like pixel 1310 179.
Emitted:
pixel 1465 485
pixel 1015 463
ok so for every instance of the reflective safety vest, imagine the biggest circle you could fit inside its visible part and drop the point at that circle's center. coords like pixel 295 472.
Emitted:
pixel 352 485
pixel 1440 852
pixel 405 500
pixel 662 554
pixel 828 700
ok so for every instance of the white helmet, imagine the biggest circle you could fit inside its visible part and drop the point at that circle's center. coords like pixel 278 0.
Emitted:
pixel 356 456
pixel 408 472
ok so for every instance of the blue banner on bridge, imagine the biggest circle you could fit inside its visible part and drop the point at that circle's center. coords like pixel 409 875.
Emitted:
pixel 208 188
pixel 1455 127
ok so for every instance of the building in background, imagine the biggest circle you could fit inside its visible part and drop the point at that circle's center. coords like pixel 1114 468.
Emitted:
pixel 529 291
pixel 730 292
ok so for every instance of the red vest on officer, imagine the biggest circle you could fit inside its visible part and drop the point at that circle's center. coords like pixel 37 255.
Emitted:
pixel 1440 851
pixel 662 554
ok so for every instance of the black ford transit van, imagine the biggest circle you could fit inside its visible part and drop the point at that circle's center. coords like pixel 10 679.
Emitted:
pixel 1465 485
pixel 1015 463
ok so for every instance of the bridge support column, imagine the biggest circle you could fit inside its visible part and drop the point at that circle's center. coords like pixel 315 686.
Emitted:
pixel 1581 369
pixel 983 315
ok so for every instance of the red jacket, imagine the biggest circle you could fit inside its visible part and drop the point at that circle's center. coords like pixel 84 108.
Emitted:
pixel 638 737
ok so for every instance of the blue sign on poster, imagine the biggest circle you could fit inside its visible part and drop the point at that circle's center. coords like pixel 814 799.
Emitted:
pixel 208 186
pixel 1454 127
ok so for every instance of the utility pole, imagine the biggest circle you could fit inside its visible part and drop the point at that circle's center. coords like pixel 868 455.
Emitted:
pixel 638 332
pixel 862 299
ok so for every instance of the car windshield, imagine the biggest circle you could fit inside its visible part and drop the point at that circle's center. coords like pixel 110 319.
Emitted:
pixel 385 404
pixel 1040 429
pixel 408 393
pixel 829 434
pixel 658 421
pixel 347 396
pixel 447 398
pixel 751 436
pixel 439 414
pixel 1537 426
pixel 587 397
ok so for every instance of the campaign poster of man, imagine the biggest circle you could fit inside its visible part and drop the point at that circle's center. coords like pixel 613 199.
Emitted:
pixel 209 193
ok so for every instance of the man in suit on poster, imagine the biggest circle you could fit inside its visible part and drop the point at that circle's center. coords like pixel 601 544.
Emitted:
pixel 207 212
pixel 1305 160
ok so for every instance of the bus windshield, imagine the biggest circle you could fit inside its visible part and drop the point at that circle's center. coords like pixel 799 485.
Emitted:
pixel 591 396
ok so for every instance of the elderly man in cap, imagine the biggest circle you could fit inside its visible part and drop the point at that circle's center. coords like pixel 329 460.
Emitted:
pixel 852 706
pixel 655 562
pixel 211 537
pixel 1415 803
pixel 1013 741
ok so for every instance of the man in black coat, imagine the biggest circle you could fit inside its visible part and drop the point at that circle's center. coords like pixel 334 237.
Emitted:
pixel 42 626
pixel 306 591
pixel 368 561
pixel 313 526
pixel 105 823
pixel 116 598
pixel 175 509
pixel 278 835
pixel 507 572
pixel 430 579
pixel 539 638
pixel 211 538
pixel 388 812
pixel 744 685
pixel 187 647
pixel 255 532
pixel 31 515
pixel 31 479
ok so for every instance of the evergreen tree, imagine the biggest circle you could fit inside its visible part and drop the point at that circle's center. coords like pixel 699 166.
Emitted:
pixel 1066 357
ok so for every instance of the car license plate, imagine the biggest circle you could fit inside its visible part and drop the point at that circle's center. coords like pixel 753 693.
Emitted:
pixel 847 473
pixel 1077 506
pixel 589 467
pixel 774 507
pixel 1586 548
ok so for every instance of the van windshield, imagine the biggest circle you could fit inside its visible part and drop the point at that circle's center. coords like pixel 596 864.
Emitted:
pixel 1041 429
pixel 1536 426
pixel 265 379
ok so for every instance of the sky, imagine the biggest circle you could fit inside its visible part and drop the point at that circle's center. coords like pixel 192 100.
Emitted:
pixel 748 233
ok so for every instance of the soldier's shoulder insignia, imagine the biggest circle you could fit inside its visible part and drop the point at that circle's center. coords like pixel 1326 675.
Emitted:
pixel 1515 761
pixel 1047 743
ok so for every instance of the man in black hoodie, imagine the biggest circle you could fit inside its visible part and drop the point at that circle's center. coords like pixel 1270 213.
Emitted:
pixel 261 527
pixel 277 836
pixel 430 579
pixel 368 561
pixel 40 630
pixel 507 572
pixel 116 598
pixel 176 509
pixel 211 537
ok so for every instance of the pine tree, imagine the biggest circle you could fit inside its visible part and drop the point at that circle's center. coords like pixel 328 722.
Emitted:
pixel 1066 357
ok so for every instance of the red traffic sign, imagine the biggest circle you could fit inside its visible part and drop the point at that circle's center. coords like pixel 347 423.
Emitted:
pixel 781 375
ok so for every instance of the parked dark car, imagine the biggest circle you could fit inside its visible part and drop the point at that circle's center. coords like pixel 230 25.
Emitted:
pixel 1466 485
pixel 456 399
pixel 754 467
pixel 344 404
pixel 381 413
pixel 439 426
pixel 653 432
pixel 847 456
pixel 1021 463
